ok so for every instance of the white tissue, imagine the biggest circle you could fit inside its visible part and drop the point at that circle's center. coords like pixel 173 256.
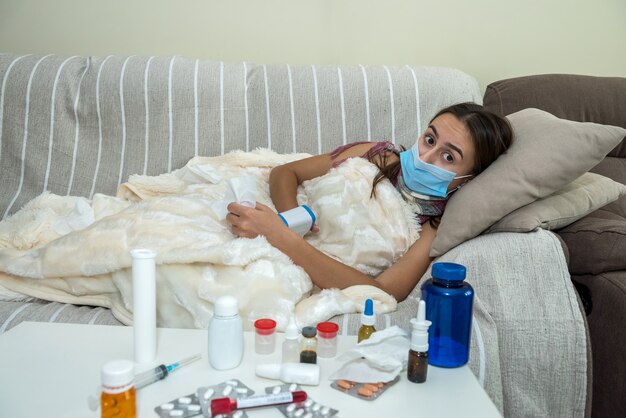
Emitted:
pixel 380 358
pixel 240 189
pixel 243 189
pixel 206 172
pixel 81 217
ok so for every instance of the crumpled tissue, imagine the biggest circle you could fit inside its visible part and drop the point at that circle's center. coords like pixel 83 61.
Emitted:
pixel 380 358
pixel 206 172
pixel 81 216
pixel 242 189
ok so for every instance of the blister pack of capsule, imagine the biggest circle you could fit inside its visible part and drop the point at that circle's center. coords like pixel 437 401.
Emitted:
pixel 306 409
pixel 233 388
pixel 183 407
pixel 366 391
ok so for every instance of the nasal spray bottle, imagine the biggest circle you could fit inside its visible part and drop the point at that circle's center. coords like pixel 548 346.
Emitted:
pixel 417 366
pixel 368 319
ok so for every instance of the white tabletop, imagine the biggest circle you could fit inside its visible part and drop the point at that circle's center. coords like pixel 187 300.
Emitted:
pixel 50 370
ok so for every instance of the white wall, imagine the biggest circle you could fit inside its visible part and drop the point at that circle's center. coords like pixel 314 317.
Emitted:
pixel 490 39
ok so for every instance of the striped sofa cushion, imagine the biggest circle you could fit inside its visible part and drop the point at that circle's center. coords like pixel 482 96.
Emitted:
pixel 14 313
pixel 82 125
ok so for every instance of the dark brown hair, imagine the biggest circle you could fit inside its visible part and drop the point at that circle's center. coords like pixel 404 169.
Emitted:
pixel 491 135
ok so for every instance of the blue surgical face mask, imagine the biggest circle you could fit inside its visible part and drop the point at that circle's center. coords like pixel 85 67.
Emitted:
pixel 424 178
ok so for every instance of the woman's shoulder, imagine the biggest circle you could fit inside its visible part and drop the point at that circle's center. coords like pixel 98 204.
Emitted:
pixel 372 151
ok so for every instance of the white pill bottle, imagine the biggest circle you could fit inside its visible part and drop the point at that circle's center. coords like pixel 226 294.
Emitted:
pixel 225 334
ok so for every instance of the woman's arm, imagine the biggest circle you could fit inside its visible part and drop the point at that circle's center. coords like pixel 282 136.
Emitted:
pixel 326 272
pixel 285 179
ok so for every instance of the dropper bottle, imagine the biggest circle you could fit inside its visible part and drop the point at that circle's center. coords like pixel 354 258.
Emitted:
pixel 417 366
pixel 368 319
pixel 291 346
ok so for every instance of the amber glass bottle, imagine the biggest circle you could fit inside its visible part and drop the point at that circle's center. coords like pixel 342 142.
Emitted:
pixel 118 398
pixel 417 365
pixel 368 319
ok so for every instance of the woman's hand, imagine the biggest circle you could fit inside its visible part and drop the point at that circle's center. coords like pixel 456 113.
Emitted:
pixel 249 222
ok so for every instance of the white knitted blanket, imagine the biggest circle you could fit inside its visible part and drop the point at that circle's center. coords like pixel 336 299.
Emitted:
pixel 73 250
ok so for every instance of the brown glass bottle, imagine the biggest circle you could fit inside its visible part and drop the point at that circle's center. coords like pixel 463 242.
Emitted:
pixel 417 366
pixel 364 332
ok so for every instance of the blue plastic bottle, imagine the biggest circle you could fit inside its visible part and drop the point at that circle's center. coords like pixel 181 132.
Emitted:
pixel 449 302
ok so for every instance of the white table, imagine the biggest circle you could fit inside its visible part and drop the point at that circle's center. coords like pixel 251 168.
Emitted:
pixel 50 370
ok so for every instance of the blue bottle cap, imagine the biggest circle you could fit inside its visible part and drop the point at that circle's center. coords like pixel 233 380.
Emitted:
pixel 369 307
pixel 448 271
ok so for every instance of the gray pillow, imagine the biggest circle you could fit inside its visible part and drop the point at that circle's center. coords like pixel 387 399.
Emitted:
pixel 547 154
pixel 563 207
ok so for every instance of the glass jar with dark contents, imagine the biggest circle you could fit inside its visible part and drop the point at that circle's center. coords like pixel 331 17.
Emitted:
pixel 308 345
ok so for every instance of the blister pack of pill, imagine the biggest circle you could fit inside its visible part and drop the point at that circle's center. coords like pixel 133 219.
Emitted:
pixel 233 388
pixel 183 407
pixel 367 391
pixel 306 409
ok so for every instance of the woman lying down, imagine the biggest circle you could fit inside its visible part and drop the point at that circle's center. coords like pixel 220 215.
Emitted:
pixel 377 216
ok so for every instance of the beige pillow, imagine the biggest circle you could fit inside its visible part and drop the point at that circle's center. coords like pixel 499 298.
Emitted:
pixel 579 198
pixel 547 154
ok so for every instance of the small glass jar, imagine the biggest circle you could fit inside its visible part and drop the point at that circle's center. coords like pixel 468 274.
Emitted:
pixel 264 337
pixel 327 339
pixel 308 345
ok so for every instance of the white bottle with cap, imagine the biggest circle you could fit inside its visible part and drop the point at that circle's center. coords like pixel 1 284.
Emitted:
pixel 118 397
pixel 300 373
pixel 291 346
pixel 225 334
pixel 299 219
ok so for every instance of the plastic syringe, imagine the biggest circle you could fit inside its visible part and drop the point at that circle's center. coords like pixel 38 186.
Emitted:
pixel 161 372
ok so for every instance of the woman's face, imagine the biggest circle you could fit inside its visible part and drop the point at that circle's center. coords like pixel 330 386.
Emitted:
pixel 447 144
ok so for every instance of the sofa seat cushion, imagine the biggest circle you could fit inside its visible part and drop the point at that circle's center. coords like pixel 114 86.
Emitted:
pixel 597 242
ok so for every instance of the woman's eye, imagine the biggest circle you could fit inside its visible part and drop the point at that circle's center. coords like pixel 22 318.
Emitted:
pixel 429 140
pixel 448 157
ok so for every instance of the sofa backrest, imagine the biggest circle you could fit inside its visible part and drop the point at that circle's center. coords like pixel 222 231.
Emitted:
pixel 82 125
pixel 573 97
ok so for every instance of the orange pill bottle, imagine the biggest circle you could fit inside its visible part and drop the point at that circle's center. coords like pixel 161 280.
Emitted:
pixel 118 398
